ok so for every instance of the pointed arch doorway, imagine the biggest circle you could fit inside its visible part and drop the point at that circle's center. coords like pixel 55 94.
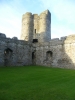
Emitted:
pixel 8 57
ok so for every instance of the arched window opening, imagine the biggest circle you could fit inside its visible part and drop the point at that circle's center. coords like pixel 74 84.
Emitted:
pixel 7 51
pixel 49 54
pixel 49 57
pixel 35 31
pixel 8 56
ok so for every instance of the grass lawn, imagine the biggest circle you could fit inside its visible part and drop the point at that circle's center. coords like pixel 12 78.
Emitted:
pixel 36 83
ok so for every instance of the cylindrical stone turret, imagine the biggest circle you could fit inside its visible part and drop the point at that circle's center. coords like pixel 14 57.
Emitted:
pixel 45 26
pixel 27 27
pixel 36 27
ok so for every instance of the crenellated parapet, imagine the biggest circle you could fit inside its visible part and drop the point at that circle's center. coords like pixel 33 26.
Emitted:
pixel 4 39
pixel 27 15
pixel 46 15
pixel 2 35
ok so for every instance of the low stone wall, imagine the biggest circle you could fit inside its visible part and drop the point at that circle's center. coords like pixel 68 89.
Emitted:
pixel 57 53
pixel 14 52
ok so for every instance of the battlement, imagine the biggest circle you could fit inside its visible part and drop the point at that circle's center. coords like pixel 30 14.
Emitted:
pixel 2 35
pixel 27 15
pixel 46 15
pixel 54 41
pixel 47 12
pixel 63 38
pixel 15 40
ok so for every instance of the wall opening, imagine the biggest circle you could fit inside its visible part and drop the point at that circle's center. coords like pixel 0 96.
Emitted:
pixel 49 56
pixel 35 31
pixel 35 40
pixel 34 58
pixel 8 56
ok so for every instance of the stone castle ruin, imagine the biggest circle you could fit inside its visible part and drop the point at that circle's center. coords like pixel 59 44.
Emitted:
pixel 36 46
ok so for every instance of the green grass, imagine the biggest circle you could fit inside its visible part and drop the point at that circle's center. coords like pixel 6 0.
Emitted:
pixel 36 83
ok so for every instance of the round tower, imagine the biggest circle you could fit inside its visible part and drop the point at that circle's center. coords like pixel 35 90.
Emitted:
pixel 27 27
pixel 45 26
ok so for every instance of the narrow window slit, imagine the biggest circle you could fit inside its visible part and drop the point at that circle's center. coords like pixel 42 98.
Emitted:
pixel 35 30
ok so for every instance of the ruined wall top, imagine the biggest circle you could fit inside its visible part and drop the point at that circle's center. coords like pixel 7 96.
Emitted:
pixel 45 14
pixel 56 41
pixel 36 26
pixel 2 35
pixel 27 15
pixel 15 40
pixel 70 39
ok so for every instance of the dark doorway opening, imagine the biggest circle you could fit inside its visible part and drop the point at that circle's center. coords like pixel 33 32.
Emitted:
pixel 49 54
pixel 8 56
pixel 35 40
pixel 35 31
pixel 34 57
pixel 7 51
pixel 49 57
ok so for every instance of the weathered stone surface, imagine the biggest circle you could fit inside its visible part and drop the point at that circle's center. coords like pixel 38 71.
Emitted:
pixel 15 38
pixel 36 27
pixel 14 52
pixel 46 52
pixel 2 35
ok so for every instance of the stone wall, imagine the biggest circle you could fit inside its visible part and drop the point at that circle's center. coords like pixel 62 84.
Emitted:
pixel 36 26
pixel 45 26
pixel 27 27
pixel 57 53
pixel 47 52
pixel 14 52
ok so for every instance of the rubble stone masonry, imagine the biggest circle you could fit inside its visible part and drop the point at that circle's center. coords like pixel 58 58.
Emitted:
pixel 36 46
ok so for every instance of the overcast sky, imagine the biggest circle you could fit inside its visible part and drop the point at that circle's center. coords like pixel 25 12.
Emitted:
pixel 62 15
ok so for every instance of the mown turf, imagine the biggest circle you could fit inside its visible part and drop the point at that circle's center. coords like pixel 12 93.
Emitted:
pixel 36 83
